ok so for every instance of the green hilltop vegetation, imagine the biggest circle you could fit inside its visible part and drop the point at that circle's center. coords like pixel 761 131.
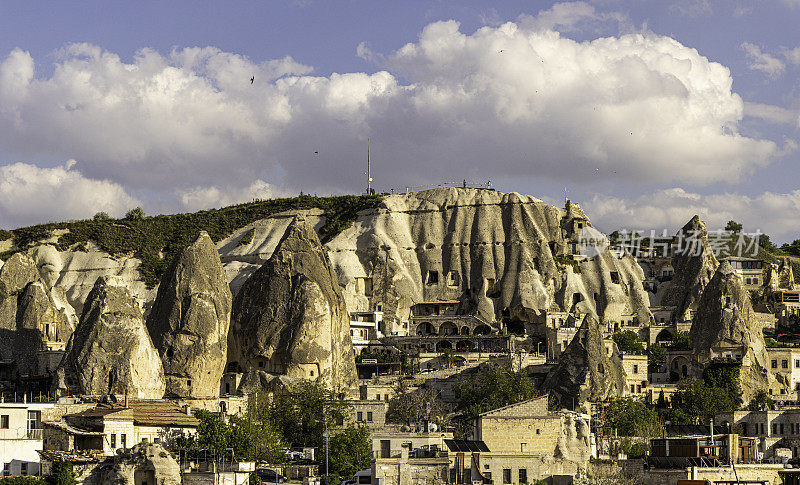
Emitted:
pixel 156 240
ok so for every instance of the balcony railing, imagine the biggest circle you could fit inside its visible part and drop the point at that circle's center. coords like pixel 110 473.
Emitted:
pixel 34 434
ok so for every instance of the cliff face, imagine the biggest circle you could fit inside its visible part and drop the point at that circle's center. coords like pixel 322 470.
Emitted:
pixel 30 314
pixel 189 321
pixel 110 351
pixel 289 318
pixel 725 327
pixel 694 265
pixel 493 251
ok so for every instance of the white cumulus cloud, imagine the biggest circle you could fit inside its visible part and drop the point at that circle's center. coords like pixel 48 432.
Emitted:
pixel 30 193
pixel 516 100
pixel 762 61
pixel 775 214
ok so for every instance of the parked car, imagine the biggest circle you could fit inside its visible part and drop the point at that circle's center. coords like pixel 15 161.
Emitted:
pixel 267 476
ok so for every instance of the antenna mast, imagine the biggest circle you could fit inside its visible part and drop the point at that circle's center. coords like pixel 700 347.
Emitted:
pixel 369 171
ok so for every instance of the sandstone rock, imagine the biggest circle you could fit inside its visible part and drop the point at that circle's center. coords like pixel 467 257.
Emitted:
pixel 289 317
pixel 110 351
pixel 15 275
pixel 725 326
pixel 588 369
pixel 144 463
pixel 189 321
pixel 694 265
pixel 574 438
pixel 39 321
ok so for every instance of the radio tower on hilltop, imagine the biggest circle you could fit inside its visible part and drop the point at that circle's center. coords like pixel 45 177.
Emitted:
pixel 368 173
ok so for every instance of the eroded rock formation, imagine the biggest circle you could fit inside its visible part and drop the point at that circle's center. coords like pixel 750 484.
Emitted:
pixel 289 318
pixel 144 463
pixel 30 315
pixel 110 351
pixel 694 263
pixel 189 321
pixel 725 327
pixel 587 370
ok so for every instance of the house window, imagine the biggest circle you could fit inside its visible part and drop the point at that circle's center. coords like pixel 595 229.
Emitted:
pixel 781 428
pixel 615 277
pixel 747 281
pixel 538 431
pixel 774 364
pixel 784 364
pixel 4 421
pixel 755 281
pixel 369 416
pixel 123 440
pixel 156 440
pixel 433 277
pixel 797 363
pixel 359 416
pixel 144 440
pixel 523 447
pixel 506 475
pixel 6 469
pixel 113 440
pixel 523 475
pixel 635 369
pixel 23 468
pixel 311 373
pixel 774 428
pixel 632 388
pixel 453 278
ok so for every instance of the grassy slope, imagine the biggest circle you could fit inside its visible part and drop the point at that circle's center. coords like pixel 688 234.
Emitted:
pixel 155 240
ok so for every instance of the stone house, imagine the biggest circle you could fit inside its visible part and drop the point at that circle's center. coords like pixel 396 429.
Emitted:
pixel 636 382
pixel 107 428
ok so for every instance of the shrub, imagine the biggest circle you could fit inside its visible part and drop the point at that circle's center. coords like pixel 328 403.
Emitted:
pixel 136 214
pixel 102 216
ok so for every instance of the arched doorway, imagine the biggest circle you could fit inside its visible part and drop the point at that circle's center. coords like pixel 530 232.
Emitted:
pixel 448 328
pixel 483 330
pixel 444 345
pixel 465 346
pixel 425 328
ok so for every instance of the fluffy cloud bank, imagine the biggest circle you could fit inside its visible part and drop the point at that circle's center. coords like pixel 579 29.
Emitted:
pixel 771 213
pixel 517 100
pixel 29 193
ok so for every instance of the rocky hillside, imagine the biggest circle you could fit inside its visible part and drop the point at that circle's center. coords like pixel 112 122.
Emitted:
pixel 504 255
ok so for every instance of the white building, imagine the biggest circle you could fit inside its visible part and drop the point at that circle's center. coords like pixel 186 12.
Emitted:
pixel 365 329
pixel 21 437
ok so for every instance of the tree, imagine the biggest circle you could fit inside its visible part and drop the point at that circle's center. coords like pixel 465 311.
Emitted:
pixel 28 480
pixel 492 387
pixel 62 474
pixel 630 418
pixel 628 342
pixel 765 242
pixel 101 216
pixel 136 214
pixel 300 414
pixel 349 452
pixel 254 435
pixel 681 341
pixel 718 391
pixel 733 227
pixel 656 357
pixel 760 401
pixel 212 432
pixel 411 407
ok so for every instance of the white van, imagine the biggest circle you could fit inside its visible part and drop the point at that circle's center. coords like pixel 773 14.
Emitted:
pixel 363 477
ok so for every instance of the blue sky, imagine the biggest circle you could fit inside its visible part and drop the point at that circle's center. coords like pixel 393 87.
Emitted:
pixel 647 111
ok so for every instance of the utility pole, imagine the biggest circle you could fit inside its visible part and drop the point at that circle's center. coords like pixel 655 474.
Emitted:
pixel 325 420
pixel 369 172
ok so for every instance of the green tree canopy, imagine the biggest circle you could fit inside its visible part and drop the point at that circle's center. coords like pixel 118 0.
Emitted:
pixel 298 415
pixel 734 227
pixel 681 341
pixel 656 357
pixel 136 214
pixel 410 407
pixel 718 391
pixel 349 452
pixel 493 386
pixel 761 400
pixel 630 417
pixel 628 342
